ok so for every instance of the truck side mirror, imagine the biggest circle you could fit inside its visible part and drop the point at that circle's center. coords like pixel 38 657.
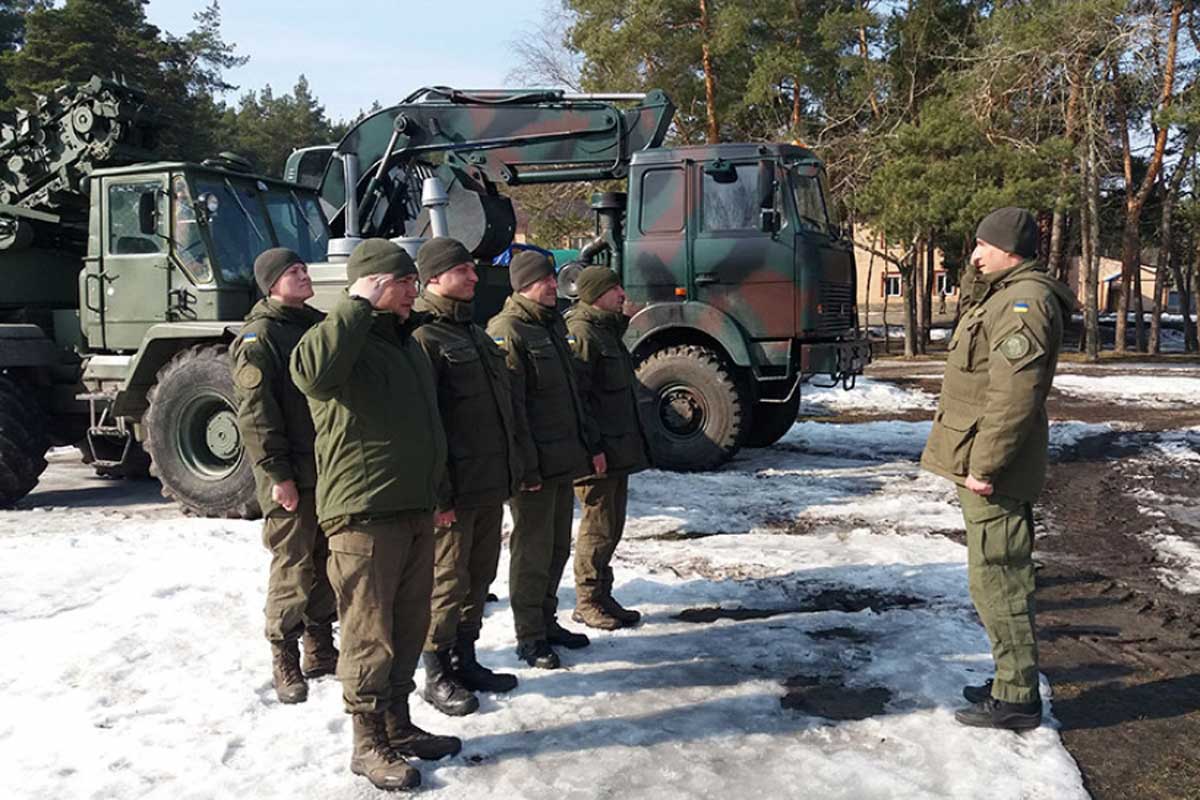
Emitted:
pixel 769 217
pixel 148 213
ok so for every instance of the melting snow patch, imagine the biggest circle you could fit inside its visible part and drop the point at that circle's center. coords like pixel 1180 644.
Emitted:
pixel 867 396
pixel 1146 390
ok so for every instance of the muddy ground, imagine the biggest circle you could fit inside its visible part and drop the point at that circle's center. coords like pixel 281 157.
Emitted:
pixel 1120 648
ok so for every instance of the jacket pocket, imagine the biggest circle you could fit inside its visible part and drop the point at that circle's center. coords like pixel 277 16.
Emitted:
pixel 614 373
pixel 546 368
pixel 967 351
pixel 951 438
pixel 464 371
pixel 352 543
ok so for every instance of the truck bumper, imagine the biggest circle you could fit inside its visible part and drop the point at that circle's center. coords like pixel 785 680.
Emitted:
pixel 840 361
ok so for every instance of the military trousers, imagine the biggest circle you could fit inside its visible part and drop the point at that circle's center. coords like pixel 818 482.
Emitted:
pixel 1001 580
pixel 540 548
pixel 382 572
pixel 602 502
pixel 465 556
pixel 298 590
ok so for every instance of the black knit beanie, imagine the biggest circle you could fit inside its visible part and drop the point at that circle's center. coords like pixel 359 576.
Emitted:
pixel 526 267
pixel 594 282
pixel 1013 230
pixel 439 255
pixel 272 263
pixel 378 257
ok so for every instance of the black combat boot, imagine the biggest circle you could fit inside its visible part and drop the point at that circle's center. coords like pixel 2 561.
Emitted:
pixel 473 675
pixel 320 656
pixel 285 672
pixel 978 693
pixel 538 653
pixel 993 713
pixel 557 634
pixel 409 740
pixel 591 611
pixel 442 690
pixel 375 759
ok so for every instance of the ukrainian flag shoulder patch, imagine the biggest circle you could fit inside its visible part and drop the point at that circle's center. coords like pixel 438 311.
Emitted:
pixel 249 337
pixel 501 341
pixel 571 338
pixel 1021 307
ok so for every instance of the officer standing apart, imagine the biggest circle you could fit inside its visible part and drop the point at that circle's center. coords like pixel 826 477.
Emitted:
pixel 482 471
pixel 563 446
pixel 990 436
pixel 278 434
pixel 380 454
pixel 604 369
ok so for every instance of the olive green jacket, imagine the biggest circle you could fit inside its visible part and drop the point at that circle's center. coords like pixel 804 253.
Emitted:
pixel 476 403
pixel 991 419
pixel 562 437
pixel 608 386
pixel 380 446
pixel 273 416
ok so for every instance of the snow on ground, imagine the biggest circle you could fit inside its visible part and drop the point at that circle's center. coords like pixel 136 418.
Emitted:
pixel 867 395
pixel 142 671
pixel 1146 390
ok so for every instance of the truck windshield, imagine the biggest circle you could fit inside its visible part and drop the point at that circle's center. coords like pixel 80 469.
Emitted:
pixel 237 229
pixel 296 217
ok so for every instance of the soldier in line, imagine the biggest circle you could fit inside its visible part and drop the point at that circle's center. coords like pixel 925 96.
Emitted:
pixel 563 446
pixel 381 453
pixel 483 470
pixel 990 436
pixel 277 430
pixel 604 369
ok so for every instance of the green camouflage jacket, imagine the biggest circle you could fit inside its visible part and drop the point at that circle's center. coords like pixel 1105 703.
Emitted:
pixel 608 386
pixel 991 419
pixel 273 416
pixel 539 358
pixel 380 445
pixel 476 403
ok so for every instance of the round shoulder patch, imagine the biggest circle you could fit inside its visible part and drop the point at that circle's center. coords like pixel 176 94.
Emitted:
pixel 248 377
pixel 1014 347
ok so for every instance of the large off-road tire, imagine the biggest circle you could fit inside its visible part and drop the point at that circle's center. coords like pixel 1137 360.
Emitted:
pixel 23 441
pixel 697 408
pixel 190 431
pixel 772 421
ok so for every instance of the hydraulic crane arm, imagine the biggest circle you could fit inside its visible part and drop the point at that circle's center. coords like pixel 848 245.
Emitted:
pixel 482 138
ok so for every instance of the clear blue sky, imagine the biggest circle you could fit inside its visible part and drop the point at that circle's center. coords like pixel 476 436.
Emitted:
pixel 357 51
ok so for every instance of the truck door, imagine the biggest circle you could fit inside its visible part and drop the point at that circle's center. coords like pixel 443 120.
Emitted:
pixel 824 262
pixel 134 276
pixel 736 267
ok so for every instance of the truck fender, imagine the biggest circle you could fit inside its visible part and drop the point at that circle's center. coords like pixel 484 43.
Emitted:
pixel 159 346
pixel 658 317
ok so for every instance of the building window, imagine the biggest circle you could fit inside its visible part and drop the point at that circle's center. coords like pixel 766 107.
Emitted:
pixel 944 286
pixel 891 286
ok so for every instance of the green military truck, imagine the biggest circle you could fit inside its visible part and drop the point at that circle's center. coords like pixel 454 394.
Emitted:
pixel 733 254
pixel 124 280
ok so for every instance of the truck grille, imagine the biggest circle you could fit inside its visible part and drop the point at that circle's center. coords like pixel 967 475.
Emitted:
pixel 835 310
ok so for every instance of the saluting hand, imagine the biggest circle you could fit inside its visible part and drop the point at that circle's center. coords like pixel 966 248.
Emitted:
pixel 286 495
pixel 444 519
pixel 599 464
pixel 370 288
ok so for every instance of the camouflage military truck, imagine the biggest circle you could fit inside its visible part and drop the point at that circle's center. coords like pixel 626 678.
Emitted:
pixel 124 282
pixel 733 253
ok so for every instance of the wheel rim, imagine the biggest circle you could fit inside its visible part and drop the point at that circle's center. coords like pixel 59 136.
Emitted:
pixel 682 411
pixel 207 438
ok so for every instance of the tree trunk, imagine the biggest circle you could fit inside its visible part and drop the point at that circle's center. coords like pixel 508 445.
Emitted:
pixel 930 288
pixel 919 303
pixel 1090 242
pixel 710 76
pixel 1055 263
pixel 1136 200
pixel 867 303
pixel 910 311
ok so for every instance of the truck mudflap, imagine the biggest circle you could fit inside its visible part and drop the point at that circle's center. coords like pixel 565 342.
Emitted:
pixel 839 362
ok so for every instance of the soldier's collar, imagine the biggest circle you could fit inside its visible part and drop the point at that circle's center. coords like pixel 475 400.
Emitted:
pixel 543 315
pixel 454 310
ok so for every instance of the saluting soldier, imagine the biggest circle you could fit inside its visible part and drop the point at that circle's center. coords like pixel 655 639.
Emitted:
pixel 990 436
pixel 482 471
pixel 278 434
pixel 563 446
pixel 607 387
pixel 381 453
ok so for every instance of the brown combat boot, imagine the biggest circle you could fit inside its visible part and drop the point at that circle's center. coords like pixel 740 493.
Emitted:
pixel 626 616
pixel 374 758
pixel 591 611
pixel 285 672
pixel 320 656
pixel 409 740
